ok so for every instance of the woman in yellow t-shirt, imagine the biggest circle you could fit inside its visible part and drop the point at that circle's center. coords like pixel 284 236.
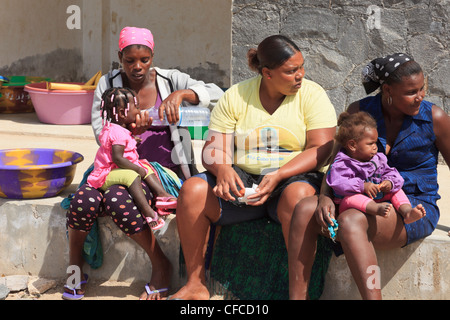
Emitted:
pixel 270 135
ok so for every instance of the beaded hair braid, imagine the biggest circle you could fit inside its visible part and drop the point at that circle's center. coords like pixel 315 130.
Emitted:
pixel 114 99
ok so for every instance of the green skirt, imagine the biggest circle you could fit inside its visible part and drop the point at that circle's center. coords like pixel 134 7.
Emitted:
pixel 250 262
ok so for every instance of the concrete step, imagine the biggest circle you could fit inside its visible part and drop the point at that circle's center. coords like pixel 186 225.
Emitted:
pixel 33 232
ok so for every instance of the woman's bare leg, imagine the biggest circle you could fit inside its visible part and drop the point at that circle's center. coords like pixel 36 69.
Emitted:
pixel 76 244
pixel 359 235
pixel 197 207
pixel 302 247
pixel 293 193
pixel 161 267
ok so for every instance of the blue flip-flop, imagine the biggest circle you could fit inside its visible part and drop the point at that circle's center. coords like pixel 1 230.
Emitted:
pixel 74 296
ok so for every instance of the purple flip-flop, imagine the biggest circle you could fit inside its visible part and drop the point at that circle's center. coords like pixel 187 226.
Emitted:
pixel 74 295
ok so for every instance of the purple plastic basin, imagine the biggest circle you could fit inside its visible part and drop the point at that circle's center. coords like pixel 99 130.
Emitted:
pixel 36 173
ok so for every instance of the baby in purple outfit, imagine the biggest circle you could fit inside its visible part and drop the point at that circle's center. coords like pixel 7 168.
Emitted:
pixel 360 175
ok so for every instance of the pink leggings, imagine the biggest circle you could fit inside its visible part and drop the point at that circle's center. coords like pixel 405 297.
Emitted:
pixel 360 201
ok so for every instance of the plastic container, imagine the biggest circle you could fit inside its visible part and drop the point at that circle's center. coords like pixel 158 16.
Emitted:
pixel 194 118
pixel 36 173
pixel 64 107
pixel 13 98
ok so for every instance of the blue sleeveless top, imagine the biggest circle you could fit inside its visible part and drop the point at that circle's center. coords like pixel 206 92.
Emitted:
pixel 415 156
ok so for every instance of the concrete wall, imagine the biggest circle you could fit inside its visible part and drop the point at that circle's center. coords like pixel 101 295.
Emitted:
pixel 36 42
pixel 209 38
pixel 338 37
pixel 191 35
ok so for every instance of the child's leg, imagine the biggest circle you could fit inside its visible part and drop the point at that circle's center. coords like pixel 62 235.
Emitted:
pixel 143 206
pixel 132 180
pixel 364 204
pixel 140 200
pixel 403 206
pixel 155 186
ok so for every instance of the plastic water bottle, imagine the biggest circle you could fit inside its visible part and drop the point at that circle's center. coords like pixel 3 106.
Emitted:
pixel 189 117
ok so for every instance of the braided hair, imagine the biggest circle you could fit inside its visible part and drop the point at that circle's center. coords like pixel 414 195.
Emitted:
pixel 114 99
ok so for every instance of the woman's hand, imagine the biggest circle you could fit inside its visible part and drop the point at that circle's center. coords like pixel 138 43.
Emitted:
pixel 265 188
pixel 142 124
pixel 171 105
pixel 226 181
pixel 325 211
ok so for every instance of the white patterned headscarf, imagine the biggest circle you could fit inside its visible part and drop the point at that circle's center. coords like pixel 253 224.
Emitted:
pixel 379 69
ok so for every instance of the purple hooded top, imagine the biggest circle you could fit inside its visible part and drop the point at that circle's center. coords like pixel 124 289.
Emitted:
pixel 347 175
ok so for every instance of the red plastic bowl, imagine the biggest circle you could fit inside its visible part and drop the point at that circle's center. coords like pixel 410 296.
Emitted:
pixel 61 106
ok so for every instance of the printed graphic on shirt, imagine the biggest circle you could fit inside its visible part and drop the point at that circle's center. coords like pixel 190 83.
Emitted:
pixel 266 147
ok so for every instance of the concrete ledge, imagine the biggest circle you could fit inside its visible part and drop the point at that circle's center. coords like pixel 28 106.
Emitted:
pixel 33 237
pixel 33 241
pixel 418 271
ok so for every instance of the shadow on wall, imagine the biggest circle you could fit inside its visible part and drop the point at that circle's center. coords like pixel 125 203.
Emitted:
pixel 62 65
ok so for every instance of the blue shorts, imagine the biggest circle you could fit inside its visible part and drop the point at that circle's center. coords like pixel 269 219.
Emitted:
pixel 233 212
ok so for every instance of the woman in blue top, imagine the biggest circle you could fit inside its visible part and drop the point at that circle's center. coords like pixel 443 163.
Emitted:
pixel 412 132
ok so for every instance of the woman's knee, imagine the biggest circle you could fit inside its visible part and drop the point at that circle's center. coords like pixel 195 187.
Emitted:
pixel 304 212
pixel 193 192
pixel 196 199
pixel 192 189
pixel 291 196
pixel 298 191
pixel 352 223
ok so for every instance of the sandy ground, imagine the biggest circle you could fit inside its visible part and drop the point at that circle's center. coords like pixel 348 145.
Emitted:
pixel 95 290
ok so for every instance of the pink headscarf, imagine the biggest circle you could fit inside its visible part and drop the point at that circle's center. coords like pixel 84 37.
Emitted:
pixel 132 35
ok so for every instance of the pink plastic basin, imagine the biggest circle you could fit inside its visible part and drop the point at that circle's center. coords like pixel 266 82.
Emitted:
pixel 61 106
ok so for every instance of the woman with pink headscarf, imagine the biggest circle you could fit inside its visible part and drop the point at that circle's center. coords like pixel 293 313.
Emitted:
pixel 155 87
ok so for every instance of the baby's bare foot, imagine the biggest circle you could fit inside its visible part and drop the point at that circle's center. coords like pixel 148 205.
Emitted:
pixel 384 209
pixel 378 209
pixel 415 214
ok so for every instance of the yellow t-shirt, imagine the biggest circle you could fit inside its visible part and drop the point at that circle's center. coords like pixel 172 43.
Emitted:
pixel 264 141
